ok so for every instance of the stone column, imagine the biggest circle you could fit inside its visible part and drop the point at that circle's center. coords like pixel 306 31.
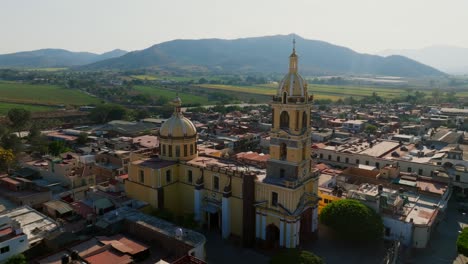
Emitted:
pixel 258 225
pixel 226 216
pixel 197 204
pixel 263 227
pixel 315 219
pixel 281 228
pixel 298 232
pixel 288 235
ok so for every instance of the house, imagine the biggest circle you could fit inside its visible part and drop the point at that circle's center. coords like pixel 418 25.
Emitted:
pixel 34 224
pixel 13 240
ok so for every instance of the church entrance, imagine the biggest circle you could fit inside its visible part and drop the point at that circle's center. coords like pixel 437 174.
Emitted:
pixel 272 236
pixel 214 221
pixel 306 225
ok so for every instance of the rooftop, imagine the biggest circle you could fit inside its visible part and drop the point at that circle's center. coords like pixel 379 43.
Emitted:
pixel 159 225
pixel 34 224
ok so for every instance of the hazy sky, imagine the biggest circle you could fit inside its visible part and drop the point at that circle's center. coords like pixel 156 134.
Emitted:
pixel 102 25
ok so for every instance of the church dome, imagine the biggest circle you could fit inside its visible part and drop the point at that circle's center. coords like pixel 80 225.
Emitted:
pixel 293 84
pixel 177 126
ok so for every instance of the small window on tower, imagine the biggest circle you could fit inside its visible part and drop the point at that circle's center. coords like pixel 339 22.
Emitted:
pixel 177 151
pixel 274 199
pixel 142 176
pixel 216 183
pixel 189 176
pixel 168 176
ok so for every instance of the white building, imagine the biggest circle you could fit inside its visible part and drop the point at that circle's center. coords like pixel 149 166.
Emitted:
pixel 13 240
pixel 407 217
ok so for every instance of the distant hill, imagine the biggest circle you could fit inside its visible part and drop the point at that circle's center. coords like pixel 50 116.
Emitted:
pixel 447 58
pixel 264 54
pixel 50 58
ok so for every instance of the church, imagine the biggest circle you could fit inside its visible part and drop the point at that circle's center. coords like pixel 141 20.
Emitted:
pixel 274 207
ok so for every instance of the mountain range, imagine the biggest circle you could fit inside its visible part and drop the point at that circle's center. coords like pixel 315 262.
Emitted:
pixel 267 54
pixel 53 58
pixel 449 59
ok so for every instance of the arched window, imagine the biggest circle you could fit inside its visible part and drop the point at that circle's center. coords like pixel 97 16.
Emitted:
pixel 284 97
pixel 177 151
pixel 191 149
pixel 283 151
pixel 304 121
pixel 284 120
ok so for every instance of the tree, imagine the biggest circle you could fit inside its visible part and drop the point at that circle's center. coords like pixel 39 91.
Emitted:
pixel 352 220
pixel 370 129
pixel 82 139
pixel 57 147
pixel 296 256
pixel 6 158
pixel 105 113
pixel 11 141
pixel 436 94
pixel 17 259
pixel 462 242
pixel 18 117
pixel 141 114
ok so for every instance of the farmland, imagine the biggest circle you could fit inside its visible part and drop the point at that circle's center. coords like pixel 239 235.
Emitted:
pixel 187 98
pixel 20 93
pixel 5 107
pixel 319 91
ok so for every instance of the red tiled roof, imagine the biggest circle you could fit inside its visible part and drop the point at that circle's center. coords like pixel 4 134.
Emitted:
pixel 124 244
pixel 322 166
pixel 10 181
pixel 318 146
pixel 109 257
pixel 252 156
pixel 6 231
pixel 123 177
pixel 82 209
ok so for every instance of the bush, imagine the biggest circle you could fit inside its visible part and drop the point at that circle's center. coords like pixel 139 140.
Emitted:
pixel 462 242
pixel 296 256
pixel 353 220
pixel 17 259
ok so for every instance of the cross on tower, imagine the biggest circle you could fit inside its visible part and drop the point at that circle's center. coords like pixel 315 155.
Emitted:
pixel 294 44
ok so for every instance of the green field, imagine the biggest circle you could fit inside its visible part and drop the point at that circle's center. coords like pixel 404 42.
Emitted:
pixel 144 77
pixel 186 97
pixel 319 91
pixel 5 107
pixel 48 69
pixel 12 92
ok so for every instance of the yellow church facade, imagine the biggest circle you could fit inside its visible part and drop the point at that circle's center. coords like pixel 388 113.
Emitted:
pixel 276 206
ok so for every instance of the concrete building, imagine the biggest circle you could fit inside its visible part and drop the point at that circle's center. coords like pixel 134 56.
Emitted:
pixel 13 240
pixel 354 126
pixel 33 224
pixel 276 206
pixel 407 217
pixel 154 231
